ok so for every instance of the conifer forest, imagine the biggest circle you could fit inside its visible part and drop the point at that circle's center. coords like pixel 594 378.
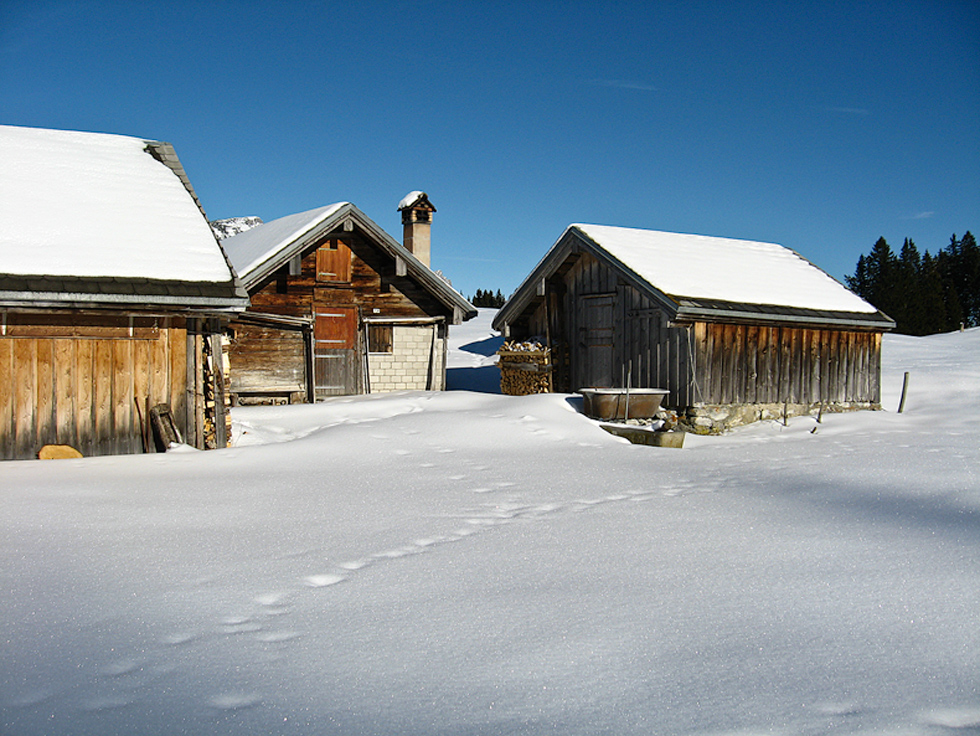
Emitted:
pixel 922 292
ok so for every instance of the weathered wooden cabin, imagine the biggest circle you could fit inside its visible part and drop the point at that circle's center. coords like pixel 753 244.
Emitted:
pixel 735 330
pixel 338 307
pixel 113 291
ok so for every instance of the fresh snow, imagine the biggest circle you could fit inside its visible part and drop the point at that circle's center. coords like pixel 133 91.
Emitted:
pixel 726 269
pixel 471 563
pixel 92 204
pixel 409 199
pixel 250 249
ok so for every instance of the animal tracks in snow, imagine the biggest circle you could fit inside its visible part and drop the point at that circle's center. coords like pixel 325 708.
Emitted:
pixel 261 628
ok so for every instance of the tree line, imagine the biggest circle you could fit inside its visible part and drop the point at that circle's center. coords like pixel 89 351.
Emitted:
pixel 924 294
pixel 487 299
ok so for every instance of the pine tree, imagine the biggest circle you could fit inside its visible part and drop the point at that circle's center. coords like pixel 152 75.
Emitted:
pixel 964 272
pixel 907 296
pixel 488 299
pixel 946 263
pixel 933 305
pixel 859 282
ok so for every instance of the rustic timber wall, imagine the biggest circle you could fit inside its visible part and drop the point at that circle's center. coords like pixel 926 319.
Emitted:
pixel 87 381
pixel 596 325
pixel 754 364
pixel 268 361
pixel 373 285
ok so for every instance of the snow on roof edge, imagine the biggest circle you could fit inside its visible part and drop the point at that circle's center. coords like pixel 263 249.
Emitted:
pixel 724 269
pixel 411 198
pixel 263 242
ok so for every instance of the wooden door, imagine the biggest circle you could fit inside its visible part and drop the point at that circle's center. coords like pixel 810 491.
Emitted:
pixel 337 364
pixel 333 262
pixel 596 329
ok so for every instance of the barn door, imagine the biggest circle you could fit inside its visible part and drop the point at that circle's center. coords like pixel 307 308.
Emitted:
pixel 337 365
pixel 596 332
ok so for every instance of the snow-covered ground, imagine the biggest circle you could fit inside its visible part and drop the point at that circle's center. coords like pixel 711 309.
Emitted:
pixel 470 563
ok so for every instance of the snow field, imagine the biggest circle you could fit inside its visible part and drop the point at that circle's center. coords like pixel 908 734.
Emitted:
pixel 469 563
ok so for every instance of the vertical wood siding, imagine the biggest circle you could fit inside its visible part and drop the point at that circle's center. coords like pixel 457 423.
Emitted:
pixel 645 350
pixel 59 386
pixel 739 364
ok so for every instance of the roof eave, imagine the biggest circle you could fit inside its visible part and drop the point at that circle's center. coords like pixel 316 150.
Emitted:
pixel 69 300
pixel 573 240
pixel 876 322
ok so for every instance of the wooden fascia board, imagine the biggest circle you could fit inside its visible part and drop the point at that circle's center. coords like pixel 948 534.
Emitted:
pixel 286 322
pixel 526 293
pixel 166 154
pixel 626 273
pixel 735 316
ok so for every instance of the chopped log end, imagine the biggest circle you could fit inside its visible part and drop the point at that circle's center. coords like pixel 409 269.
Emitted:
pixel 58 452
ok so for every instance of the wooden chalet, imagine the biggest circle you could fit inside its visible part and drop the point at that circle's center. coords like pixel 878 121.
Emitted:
pixel 113 294
pixel 338 307
pixel 734 330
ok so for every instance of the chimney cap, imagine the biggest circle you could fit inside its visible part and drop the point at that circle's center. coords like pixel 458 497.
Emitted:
pixel 416 200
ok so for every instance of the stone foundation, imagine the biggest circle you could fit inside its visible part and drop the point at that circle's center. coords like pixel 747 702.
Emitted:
pixel 719 418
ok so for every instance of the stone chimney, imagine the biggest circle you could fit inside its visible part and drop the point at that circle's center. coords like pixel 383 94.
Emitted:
pixel 417 212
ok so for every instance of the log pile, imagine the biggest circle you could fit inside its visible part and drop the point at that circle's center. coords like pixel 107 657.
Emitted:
pixel 525 368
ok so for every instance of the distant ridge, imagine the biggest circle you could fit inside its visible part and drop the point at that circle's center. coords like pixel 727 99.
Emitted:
pixel 233 225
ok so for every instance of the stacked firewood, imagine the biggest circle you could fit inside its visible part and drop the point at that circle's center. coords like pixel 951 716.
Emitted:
pixel 525 368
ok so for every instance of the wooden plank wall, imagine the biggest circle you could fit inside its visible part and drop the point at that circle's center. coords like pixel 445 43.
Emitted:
pixel 742 364
pixel 373 285
pixel 659 353
pixel 83 391
pixel 267 359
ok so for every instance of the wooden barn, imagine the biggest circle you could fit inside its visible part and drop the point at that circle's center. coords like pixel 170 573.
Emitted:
pixel 113 294
pixel 338 307
pixel 735 330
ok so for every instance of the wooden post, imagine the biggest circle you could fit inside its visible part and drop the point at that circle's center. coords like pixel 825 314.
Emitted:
pixel 218 376
pixel 309 349
pixel 905 388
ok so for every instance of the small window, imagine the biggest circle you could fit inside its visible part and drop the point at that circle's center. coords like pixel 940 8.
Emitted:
pixel 379 338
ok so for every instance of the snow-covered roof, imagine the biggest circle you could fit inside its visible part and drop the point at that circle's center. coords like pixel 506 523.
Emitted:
pixel 411 198
pixel 745 271
pixel 78 204
pixel 697 277
pixel 248 250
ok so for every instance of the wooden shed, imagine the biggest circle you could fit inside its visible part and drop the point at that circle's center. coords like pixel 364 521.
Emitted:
pixel 113 293
pixel 735 330
pixel 338 307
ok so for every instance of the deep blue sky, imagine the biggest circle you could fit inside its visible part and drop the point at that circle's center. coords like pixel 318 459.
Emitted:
pixel 821 126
